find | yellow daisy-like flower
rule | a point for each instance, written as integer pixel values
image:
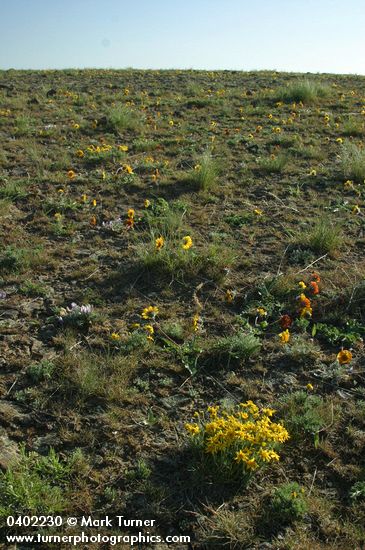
(80, 153)
(348, 184)
(147, 203)
(229, 296)
(302, 284)
(258, 211)
(193, 429)
(187, 242)
(171, 122)
(130, 213)
(344, 357)
(71, 174)
(313, 172)
(94, 202)
(159, 242)
(149, 312)
(76, 126)
(115, 336)
(261, 311)
(309, 387)
(58, 216)
(339, 140)
(123, 148)
(356, 209)
(127, 168)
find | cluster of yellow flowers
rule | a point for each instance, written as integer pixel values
(187, 242)
(246, 437)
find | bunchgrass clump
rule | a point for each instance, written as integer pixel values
(324, 237)
(273, 165)
(205, 173)
(237, 442)
(353, 162)
(353, 127)
(306, 91)
(124, 118)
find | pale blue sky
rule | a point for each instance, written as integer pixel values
(289, 35)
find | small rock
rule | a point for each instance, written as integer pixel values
(43, 443)
(10, 414)
(9, 451)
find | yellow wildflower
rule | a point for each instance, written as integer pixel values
(159, 242)
(149, 312)
(71, 174)
(187, 242)
(196, 322)
(127, 168)
(344, 357)
(284, 336)
(147, 203)
(115, 336)
(193, 429)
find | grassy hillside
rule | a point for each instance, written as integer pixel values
(174, 241)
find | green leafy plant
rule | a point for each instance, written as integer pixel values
(288, 503)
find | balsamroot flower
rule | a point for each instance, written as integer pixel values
(159, 243)
(187, 242)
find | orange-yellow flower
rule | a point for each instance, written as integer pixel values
(284, 336)
(71, 174)
(314, 287)
(127, 168)
(129, 222)
(159, 242)
(344, 357)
